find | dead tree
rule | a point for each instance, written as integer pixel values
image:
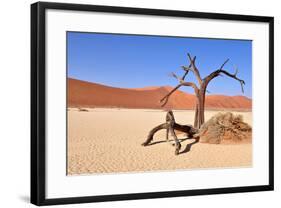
(170, 125)
(200, 88)
(200, 91)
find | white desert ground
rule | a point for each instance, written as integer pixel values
(108, 140)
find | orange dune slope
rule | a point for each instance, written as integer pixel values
(86, 94)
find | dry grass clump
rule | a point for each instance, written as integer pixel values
(225, 128)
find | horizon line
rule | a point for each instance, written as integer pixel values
(68, 77)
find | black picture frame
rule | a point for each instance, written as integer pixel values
(38, 98)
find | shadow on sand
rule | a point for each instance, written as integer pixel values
(187, 147)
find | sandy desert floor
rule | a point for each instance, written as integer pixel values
(109, 141)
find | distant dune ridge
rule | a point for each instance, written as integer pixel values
(86, 94)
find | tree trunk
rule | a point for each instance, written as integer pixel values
(196, 114)
(200, 109)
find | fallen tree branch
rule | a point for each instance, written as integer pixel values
(170, 125)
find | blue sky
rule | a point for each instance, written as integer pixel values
(134, 61)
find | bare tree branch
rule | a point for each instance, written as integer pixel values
(186, 69)
(221, 71)
(182, 83)
(194, 68)
(191, 84)
(224, 63)
(181, 80)
(242, 82)
(166, 97)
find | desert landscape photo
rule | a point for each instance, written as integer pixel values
(154, 103)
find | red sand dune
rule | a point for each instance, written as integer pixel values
(86, 94)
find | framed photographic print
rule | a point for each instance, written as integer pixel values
(134, 103)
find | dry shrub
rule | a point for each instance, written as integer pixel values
(83, 110)
(225, 128)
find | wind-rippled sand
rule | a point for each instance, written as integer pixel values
(109, 141)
